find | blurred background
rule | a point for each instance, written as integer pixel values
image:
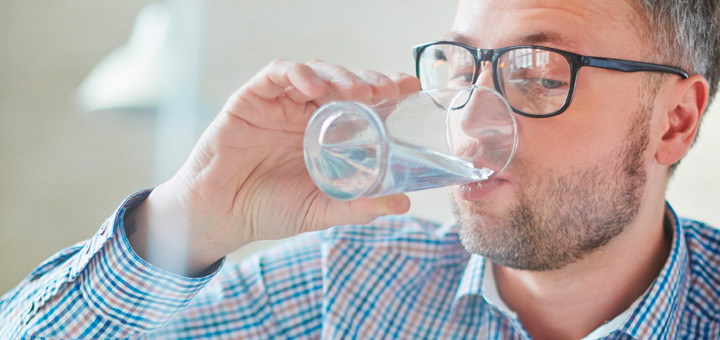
(100, 99)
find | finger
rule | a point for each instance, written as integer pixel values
(296, 95)
(383, 88)
(388, 205)
(344, 84)
(364, 210)
(406, 83)
(281, 77)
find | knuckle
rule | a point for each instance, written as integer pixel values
(365, 72)
(363, 89)
(297, 67)
(277, 62)
(397, 76)
(384, 80)
(371, 76)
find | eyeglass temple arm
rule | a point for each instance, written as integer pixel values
(630, 66)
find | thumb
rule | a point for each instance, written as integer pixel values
(364, 210)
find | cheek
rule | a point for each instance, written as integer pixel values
(575, 138)
(594, 126)
(559, 142)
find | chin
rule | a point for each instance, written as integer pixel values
(480, 212)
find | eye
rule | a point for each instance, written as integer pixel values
(551, 84)
(461, 76)
(543, 85)
(534, 87)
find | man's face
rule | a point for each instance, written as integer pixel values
(578, 178)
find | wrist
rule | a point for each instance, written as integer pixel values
(161, 234)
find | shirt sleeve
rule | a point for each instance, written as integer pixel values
(275, 294)
(100, 288)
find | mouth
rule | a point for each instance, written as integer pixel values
(480, 190)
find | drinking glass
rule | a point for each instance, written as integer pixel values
(426, 140)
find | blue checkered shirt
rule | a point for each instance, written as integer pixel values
(398, 278)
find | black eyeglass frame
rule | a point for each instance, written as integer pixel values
(575, 60)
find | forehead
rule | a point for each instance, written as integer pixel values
(603, 28)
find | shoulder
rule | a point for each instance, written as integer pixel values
(703, 244)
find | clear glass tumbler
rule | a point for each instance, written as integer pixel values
(426, 140)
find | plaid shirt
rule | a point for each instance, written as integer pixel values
(398, 278)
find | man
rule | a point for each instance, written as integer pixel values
(574, 240)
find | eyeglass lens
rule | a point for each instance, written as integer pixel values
(534, 81)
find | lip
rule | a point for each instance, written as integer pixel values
(480, 190)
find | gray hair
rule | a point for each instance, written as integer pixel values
(686, 34)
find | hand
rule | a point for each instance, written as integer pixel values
(246, 179)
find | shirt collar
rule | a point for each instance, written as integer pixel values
(655, 315)
(471, 281)
(658, 314)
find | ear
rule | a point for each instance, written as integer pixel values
(682, 118)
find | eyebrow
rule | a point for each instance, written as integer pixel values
(457, 37)
(531, 38)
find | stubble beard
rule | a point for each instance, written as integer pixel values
(558, 219)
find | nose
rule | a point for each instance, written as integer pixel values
(486, 134)
(485, 77)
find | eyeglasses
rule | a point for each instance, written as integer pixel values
(536, 81)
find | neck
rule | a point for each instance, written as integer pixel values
(571, 302)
